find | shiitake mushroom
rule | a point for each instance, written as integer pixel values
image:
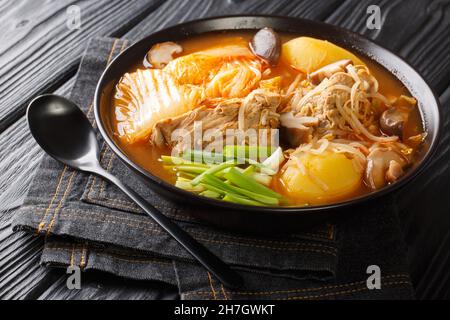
(392, 121)
(161, 54)
(266, 44)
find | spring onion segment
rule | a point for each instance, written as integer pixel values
(230, 176)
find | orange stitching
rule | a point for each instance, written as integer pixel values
(69, 184)
(331, 231)
(83, 257)
(111, 252)
(113, 256)
(104, 146)
(107, 169)
(274, 242)
(130, 206)
(61, 201)
(137, 226)
(340, 292)
(302, 290)
(234, 237)
(223, 291)
(42, 223)
(211, 285)
(72, 256)
(113, 47)
(102, 155)
(116, 220)
(246, 239)
(135, 261)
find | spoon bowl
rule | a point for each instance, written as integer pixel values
(63, 131)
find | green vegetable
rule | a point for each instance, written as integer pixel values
(211, 158)
(181, 161)
(230, 189)
(259, 177)
(212, 170)
(190, 169)
(211, 194)
(186, 185)
(237, 199)
(250, 184)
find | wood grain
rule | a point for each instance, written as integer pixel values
(187, 10)
(20, 273)
(422, 40)
(103, 286)
(416, 30)
(39, 52)
(426, 220)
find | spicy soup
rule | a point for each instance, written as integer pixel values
(308, 170)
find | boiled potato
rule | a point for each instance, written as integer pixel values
(309, 54)
(327, 178)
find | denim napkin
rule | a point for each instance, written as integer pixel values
(89, 223)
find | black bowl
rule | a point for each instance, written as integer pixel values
(271, 219)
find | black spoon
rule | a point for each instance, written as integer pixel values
(66, 134)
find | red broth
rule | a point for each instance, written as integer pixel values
(147, 156)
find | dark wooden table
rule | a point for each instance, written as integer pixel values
(40, 54)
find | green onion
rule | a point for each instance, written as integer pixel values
(250, 184)
(213, 188)
(181, 161)
(216, 182)
(210, 194)
(212, 158)
(240, 200)
(190, 169)
(213, 170)
(185, 185)
(182, 174)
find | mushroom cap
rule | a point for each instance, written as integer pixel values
(392, 121)
(379, 161)
(162, 53)
(266, 44)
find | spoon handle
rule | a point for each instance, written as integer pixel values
(212, 263)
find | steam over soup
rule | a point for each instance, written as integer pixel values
(266, 119)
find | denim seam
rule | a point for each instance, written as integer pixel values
(388, 284)
(255, 293)
(112, 252)
(42, 222)
(108, 255)
(61, 202)
(113, 46)
(211, 286)
(116, 220)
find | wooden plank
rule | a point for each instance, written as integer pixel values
(425, 218)
(38, 52)
(195, 9)
(20, 273)
(103, 286)
(416, 30)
